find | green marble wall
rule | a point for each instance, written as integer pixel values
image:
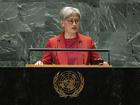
(113, 24)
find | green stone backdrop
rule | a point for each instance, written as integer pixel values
(113, 24)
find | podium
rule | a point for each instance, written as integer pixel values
(69, 66)
(94, 85)
(34, 85)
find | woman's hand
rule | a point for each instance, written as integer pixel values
(39, 63)
(104, 64)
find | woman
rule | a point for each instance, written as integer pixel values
(70, 38)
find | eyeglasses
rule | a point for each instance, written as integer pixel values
(71, 21)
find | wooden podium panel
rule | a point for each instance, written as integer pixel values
(69, 66)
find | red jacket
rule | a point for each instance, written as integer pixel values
(60, 57)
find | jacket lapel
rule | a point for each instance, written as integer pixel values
(62, 56)
(82, 56)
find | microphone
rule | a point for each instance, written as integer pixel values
(83, 56)
(55, 54)
(80, 42)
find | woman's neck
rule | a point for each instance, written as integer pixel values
(69, 36)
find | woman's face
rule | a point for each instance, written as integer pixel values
(71, 24)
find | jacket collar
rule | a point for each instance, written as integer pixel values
(61, 39)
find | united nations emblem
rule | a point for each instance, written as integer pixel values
(68, 83)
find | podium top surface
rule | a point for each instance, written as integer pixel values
(69, 66)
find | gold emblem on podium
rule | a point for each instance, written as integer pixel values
(68, 83)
